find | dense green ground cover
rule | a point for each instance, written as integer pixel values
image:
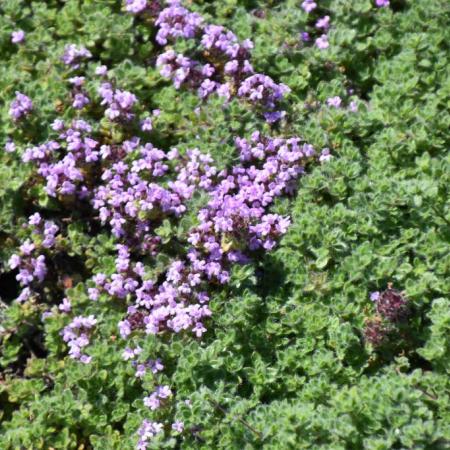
(284, 363)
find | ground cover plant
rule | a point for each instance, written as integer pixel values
(224, 224)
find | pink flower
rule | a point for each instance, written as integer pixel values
(17, 37)
(322, 42)
(309, 5)
(323, 23)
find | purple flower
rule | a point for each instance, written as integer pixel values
(35, 219)
(176, 21)
(101, 70)
(18, 36)
(374, 296)
(381, 3)
(65, 306)
(25, 294)
(309, 5)
(146, 124)
(152, 401)
(77, 81)
(304, 36)
(27, 247)
(178, 426)
(323, 23)
(73, 55)
(10, 147)
(353, 107)
(147, 431)
(335, 102)
(136, 6)
(325, 155)
(80, 101)
(14, 261)
(322, 42)
(20, 107)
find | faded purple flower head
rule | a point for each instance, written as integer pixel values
(392, 305)
(375, 332)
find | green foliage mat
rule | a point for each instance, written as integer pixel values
(284, 364)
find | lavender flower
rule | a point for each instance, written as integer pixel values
(322, 42)
(10, 147)
(176, 21)
(101, 70)
(76, 334)
(73, 55)
(382, 3)
(20, 107)
(146, 432)
(309, 5)
(323, 23)
(325, 155)
(136, 6)
(335, 102)
(18, 36)
(304, 36)
(65, 306)
(178, 426)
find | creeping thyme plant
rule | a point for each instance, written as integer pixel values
(224, 224)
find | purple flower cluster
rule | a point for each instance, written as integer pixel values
(147, 431)
(73, 56)
(382, 3)
(321, 25)
(226, 69)
(66, 175)
(119, 103)
(131, 197)
(134, 189)
(175, 21)
(77, 335)
(234, 223)
(30, 261)
(262, 90)
(154, 400)
(20, 107)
